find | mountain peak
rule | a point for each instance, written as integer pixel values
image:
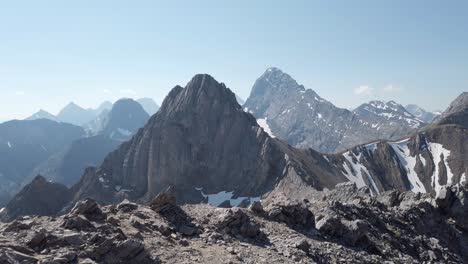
(202, 93)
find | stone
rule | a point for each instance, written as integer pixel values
(257, 208)
(78, 223)
(90, 209)
(164, 200)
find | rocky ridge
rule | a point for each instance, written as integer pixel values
(346, 225)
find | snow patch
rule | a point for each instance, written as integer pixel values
(262, 122)
(9, 144)
(1, 210)
(437, 150)
(463, 178)
(218, 198)
(408, 162)
(356, 171)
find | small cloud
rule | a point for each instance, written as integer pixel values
(127, 91)
(106, 91)
(20, 93)
(364, 90)
(391, 89)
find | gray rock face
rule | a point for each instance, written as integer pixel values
(420, 113)
(304, 119)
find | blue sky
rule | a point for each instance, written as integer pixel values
(53, 52)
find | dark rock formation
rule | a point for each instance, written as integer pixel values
(40, 197)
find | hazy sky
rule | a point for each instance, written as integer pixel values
(53, 52)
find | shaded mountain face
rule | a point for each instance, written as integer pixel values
(420, 113)
(150, 106)
(304, 119)
(42, 114)
(24, 144)
(39, 197)
(456, 113)
(76, 115)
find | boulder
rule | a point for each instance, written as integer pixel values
(90, 209)
(294, 214)
(351, 232)
(163, 200)
(235, 222)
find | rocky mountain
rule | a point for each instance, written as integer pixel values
(75, 114)
(150, 106)
(304, 119)
(189, 143)
(42, 114)
(346, 225)
(420, 113)
(24, 144)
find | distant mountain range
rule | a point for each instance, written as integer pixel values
(77, 115)
(204, 145)
(61, 151)
(304, 119)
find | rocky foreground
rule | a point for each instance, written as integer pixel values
(346, 226)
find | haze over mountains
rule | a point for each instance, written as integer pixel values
(286, 143)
